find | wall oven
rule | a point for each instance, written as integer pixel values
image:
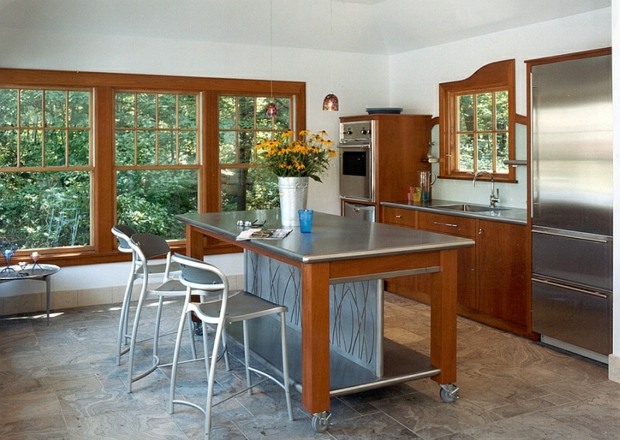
(357, 161)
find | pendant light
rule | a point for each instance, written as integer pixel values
(271, 110)
(330, 102)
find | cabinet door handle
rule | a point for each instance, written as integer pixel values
(450, 225)
(480, 231)
(399, 216)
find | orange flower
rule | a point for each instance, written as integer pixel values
(306, 156)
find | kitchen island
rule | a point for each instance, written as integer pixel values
(342, 250)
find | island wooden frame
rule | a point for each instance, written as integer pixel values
(315, 281)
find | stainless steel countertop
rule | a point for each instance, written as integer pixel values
(503, 214)
(332, 238)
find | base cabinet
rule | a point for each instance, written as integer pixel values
(492, 286)
(502, 272)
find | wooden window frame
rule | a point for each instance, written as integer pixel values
(493, 77)
(104, 85)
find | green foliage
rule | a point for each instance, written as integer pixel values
(483, 126)
(149, 200)
(243, 123)
(46, 209)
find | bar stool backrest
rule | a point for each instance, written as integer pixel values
(123, 234)
(203, 278)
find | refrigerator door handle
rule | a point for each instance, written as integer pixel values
(575, 289)
(568, 235)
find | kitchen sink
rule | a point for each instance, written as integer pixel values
(470, 208)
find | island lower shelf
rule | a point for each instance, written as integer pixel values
(400, 363)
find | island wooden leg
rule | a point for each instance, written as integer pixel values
(194, 242)
(443, 318)
(315, 337)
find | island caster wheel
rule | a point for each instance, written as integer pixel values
(320, 421)
(448, 393)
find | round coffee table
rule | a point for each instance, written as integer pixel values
(36, 272)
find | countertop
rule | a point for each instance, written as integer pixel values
(332, 238)
(501, 214)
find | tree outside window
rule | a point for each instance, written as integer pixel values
(156, 160)
(482, 135)
(45, 164)
(243, 123)
(82, 151)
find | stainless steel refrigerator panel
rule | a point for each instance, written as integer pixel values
(578, 258)
(571, 145)
(568, 315)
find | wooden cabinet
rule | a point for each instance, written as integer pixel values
(462, 227)
(502, 264)
(400, 144)
(492, 286)
(399, 216)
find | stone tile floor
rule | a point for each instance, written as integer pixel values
(61, 382)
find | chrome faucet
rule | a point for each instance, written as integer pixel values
(494, 197)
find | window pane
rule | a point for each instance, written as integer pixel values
(247, 141)
(501, 110)
(187, 111)
(227, 112)
(167, 152)
(228, 142)
(465, 107)
(146, 147)
(55, 144)
(79, 147)
(484, 111)
(147, 114)
(124, 113)
(55, 108)
(247, 189)
(79, 109)
(31, 110)
(167, 111)
(8, 148)
(502, 153)
(485, 152)
(187, 147)
(8, 107)
(44, 209)
(246, 112)
(124, 154)
(466, 152)
(31, 148)
(157, 139)
(149, 200)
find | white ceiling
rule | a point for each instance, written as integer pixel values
(366, 26)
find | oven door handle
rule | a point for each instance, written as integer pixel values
(354, 146)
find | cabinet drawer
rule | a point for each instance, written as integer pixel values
(397, 216)
(447, 224)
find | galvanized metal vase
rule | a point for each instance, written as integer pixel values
(293, 197)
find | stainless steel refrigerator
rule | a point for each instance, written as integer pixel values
(572, 204)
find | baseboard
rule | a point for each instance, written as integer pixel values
(614, 368)
(25, 303)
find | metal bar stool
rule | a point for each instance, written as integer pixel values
(145, 249)
(162, 272)
(217, 308)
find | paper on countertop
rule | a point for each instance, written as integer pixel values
(259, 233)
(246, 234)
